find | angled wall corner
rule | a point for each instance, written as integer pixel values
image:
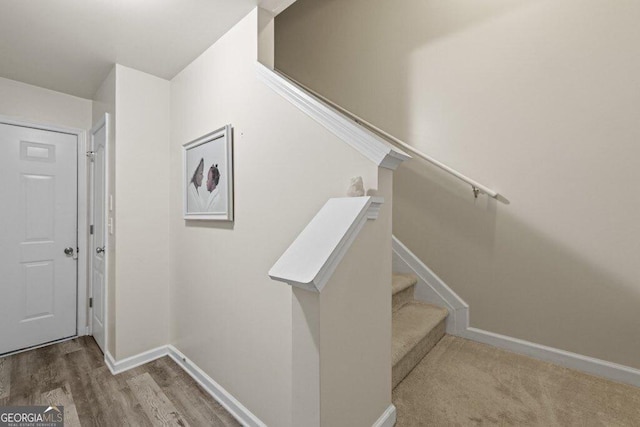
(227, 315)
(139, 244)
(266, 40)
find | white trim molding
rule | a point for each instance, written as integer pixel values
(103, 122)
(387, 419)
(82, 300)
(275, 6)
(374, 209)
(431, 288)
(315, 254)
(118, 366)
(590, 365)
(361, 139)
(230, 403)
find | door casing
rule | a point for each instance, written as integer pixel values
(103, 122)
(83, 230)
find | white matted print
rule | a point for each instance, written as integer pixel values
(208, 176)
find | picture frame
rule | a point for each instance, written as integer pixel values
(208, 176)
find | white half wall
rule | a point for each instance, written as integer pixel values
(355, 331)
(227, 315)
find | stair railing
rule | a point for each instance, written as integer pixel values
(338, 269)
(476, 187)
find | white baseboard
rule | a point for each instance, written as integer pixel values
(387, 419)
(590, 365)
(119, 366)
(230, 403)
(432, 289)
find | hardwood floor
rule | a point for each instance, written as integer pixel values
(73, 374)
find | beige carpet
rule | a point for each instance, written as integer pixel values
(461, 383)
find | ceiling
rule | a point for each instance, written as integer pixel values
(71, 45)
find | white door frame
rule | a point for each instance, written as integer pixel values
(82, 231)
(105, 122)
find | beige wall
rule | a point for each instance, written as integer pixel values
(141, 220)
(43, 106)
(104, 101)
(538, 99)
(227, 316)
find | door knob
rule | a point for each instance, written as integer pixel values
(100, 250)
(68, 251)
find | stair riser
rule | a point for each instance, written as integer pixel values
(405, 365)
(402, 297)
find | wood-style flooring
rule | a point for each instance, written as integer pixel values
(73, 374)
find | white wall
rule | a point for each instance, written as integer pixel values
(141, 220)
(227, 316)
(537, 99)
(355, 326)
(104, 101)
(43, 106)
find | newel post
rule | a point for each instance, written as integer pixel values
(339, 270)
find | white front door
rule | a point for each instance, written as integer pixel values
(38, 236)
(98, 220)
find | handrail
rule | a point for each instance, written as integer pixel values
(476, 187)
(368, 143)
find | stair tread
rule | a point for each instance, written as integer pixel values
(412, 323)
(400, 282)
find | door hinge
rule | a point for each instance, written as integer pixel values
(91, 155)
(90, 302)
(91, 229)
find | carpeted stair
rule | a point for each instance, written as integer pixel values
(417, 327)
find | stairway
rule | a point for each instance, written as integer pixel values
(416, 327)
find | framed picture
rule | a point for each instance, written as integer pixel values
(208, 176)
